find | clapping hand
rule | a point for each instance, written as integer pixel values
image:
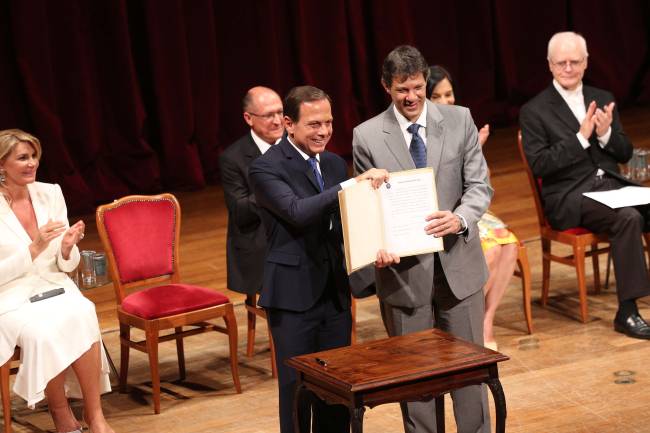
(588, 124)
(47, 232)
(71, 238)
(603, 119)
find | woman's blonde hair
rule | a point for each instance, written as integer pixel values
(9, 138)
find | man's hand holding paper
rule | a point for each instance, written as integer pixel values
(443, 222)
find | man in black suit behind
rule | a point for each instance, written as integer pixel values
(305, 288)
(246, 241)
(573, 140)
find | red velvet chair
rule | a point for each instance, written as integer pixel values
(578, 238)
(5, 371)
(140, 235)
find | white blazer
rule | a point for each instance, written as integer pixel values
(20, 277)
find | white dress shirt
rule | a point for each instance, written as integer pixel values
(262, 145)
(404, 123)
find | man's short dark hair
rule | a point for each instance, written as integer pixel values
(299, 95)
(404, 61)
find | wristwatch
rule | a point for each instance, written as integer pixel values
(463, 224)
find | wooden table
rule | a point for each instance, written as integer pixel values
(414, 367)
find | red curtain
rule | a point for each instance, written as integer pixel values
(140, 96)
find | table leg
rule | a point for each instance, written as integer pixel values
(499, 404)
(356, 419)
(440, 414)
(300, 389)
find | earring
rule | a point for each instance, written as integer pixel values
(2, 176)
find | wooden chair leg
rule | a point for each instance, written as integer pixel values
(231, 326)
(607, 271)
(274, 367)
(251, 319)
(6, 398)
(180, 352)
(151, 335)
(125, 337)
(646, 237)
(579, 258)
(524, 271)
(596, 265)
(353, 310)
(546, 270)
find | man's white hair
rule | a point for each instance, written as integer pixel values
(567, 37)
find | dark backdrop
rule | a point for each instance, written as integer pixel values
(140, 96)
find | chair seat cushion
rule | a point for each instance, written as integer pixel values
(577, 231)
(171, 299)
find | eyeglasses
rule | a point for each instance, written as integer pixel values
(563, 65)
(269, 116)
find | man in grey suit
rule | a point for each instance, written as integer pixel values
(442, 289)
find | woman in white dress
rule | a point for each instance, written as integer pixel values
(59, 336)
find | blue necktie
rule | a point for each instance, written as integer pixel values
(418, 149)
(314, 167)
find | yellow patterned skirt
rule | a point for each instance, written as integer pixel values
(493, 232)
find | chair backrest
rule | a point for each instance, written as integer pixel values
(140, 235)
(535, 184)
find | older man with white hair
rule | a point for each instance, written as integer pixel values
(574, 141)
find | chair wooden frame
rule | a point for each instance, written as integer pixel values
(5, 371)
(523, 272)
(252, 312)
(578, 242)
(152, 328)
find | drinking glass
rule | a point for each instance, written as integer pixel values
(99, 263)
(88, 278)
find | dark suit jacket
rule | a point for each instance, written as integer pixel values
(304, 256)
(246, 241)
(555, 155)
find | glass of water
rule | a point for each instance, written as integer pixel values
(88, 277)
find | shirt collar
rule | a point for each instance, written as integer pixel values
(262, 145)
(405, 123)
(303, 154)
(569, 94)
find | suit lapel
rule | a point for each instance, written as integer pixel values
(561, 110)
(394, 140)
(435, 136)
(251, 151)
(327, 170)
(298, 163)
(9, 219)
(40, 204)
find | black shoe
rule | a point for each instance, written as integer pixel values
(633, 326)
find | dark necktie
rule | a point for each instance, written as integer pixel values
(314, 167)
(417, 148)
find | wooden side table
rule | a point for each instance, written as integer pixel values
(414, 367)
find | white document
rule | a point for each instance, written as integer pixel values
(391, 217)
(623, 197)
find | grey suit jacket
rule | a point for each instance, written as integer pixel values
(462, 186)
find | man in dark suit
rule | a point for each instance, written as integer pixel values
(573, 140)
(246, 241)
(305, 289)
